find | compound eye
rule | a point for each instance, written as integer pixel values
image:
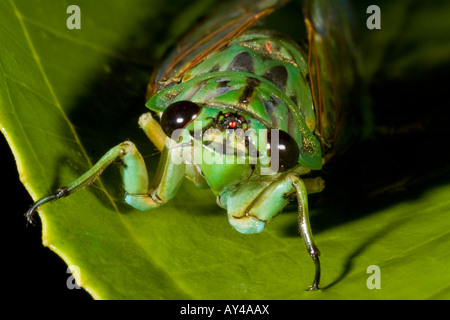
(178, 115)
(286, 149)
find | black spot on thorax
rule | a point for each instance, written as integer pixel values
(278, 75)
(251, 84)
(242, 62)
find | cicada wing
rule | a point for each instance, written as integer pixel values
(333, 70)
(218, 29)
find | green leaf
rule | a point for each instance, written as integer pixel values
(67, 96)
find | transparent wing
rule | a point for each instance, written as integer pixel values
(333, 70)
(222, 26)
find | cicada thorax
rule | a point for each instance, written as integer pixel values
(271, 56)
(259, 75)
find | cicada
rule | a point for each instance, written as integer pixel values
(247, 112)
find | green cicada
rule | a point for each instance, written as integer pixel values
(247, 112)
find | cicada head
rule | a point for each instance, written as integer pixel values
(228, 123)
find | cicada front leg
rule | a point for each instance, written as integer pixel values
(304, 226)
(153, 130)
(139, 194)
(253, 204)
(167, 181)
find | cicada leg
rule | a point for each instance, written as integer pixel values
(153, 130)
(168, 178)
(253, 204)
(305, 227)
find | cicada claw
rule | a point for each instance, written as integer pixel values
(61, 192)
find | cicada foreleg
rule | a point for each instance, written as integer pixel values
(168, 178)
(153, 130)
(139, 195)
(248, 212)
(305, 227)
